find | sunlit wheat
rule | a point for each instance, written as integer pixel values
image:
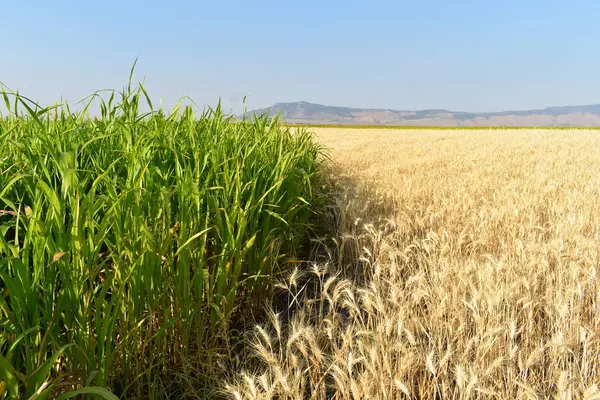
(472, 272)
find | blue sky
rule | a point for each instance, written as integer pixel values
(479, 55)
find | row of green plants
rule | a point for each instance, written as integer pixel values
(130, 240)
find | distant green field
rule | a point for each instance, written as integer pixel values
(427, 127)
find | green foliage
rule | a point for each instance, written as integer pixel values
(128, 241)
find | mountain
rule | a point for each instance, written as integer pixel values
(310, 113)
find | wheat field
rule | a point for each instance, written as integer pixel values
(464, 264)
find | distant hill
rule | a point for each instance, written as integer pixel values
(310, 113)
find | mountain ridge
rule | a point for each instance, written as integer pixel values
(306, 112)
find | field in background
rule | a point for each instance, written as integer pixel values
(465, 265)
(439, 128)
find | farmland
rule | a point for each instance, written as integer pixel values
(176, 255)
(130, 242)
(466, 266)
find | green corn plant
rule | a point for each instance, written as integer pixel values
(128, 241)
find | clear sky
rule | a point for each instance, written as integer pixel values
(479, 55)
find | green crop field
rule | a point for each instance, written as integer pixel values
(129, 241)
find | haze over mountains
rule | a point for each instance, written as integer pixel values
(310, 113)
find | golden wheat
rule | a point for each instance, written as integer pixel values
(466, 267)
